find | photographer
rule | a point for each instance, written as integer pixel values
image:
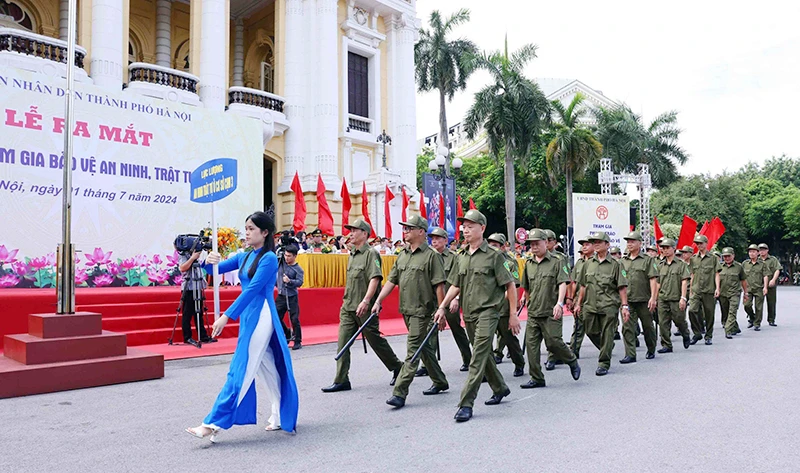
(193, 283)
(290, 277)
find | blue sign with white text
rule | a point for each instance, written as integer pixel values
(213, 180)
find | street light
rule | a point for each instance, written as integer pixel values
(386, 140)
(439, 169)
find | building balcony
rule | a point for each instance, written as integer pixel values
(163, 83)
(262, 106)
(39, 54)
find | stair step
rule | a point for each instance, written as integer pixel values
(65, 325)
(32, 350)
(148, 322)
(153, 337)
(145, 308)
(17, 379)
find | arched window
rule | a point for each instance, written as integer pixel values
(134, 49)
(15, 16)
(268, 72)
(181, 59)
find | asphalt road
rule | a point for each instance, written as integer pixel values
(729, 407)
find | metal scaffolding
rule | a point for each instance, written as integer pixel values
(607, 179)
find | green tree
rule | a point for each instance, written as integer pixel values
(513, 111)
(571, 149)
(443, 64)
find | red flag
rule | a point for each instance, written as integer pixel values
(404, 214)
(325, 217)
(346, 205)
(365, 209)
(714, 231)
(387, 213)
(459, 213)
(657, 230)
(472, 204)
(299, 222)
(441, 212)
(423, 209)
(688, 228)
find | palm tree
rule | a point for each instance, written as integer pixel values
(628, 142)
(572, 149)
(513, 110)
(442, 64)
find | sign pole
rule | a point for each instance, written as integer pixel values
(215, 248)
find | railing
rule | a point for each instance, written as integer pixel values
(152, 74)
(356, 123)
(256, 98)
(44, 47)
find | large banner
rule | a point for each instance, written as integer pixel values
(601, 213)
(132, 161)
(434, 189)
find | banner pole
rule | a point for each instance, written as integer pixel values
(215, 248)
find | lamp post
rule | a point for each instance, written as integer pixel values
(386, 140)
(439, 169)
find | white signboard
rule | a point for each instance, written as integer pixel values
(133, 157)
(601, 213)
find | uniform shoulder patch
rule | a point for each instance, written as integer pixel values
(378, 263)
(566, 270)
(624, 273)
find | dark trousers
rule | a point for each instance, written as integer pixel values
(294, 316)
(190, 315)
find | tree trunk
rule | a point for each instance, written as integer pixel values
(444, 135)
(510, 190)
(570, 223)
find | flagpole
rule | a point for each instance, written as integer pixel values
(65, 286)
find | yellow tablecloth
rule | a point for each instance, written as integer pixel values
(330, 270)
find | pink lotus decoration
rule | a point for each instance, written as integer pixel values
(178, 279)
(158, 277)
(157, 259)
(7, 257)
(9, 280)
(20, 268)
(141, 260)
(127, 264)
(103, 280)
(113, 268)
(173, 259)
(97, 257)
(51, 259)
(80, 276)
(38, 263)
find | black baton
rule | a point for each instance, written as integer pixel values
(355, 335)
(433, 330)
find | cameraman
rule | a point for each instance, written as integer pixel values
(193, 283)
(290, 277)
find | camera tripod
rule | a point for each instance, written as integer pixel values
(200, 309)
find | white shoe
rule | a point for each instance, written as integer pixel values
(272, 428)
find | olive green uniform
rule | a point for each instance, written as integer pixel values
(454, 318)
(670, 277)
(504, 336)
(602, 280)
(702, 303)
(541, 280)
(560, 322)
(755, 273)
(482, 278)
(773, 264)
(578, 330)
(640, 271)
(317, 246)
(730, 291)
(364, 264)
(418, 273)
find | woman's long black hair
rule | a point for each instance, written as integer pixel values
(264, 223)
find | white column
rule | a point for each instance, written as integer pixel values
(63, 14)
(295, 89)
(238, 53)
(107, 38)
(213, 63)
(402, 98)
(326, 96)
(164, 33)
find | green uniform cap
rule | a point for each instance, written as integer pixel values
(439, 232)
(651, 247)
(667, 242)
(615, 250)
(678, 252)
(416, 221)
(359, 224)
(316, 232)
(763, 246)
(473, 215)
(701, 239)
(727, 251)
(687, 249)
(551, 235)
(634, 236)
(752, 247)
(536, 234)
(599, 236)
(497, 238)
(583, 240)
